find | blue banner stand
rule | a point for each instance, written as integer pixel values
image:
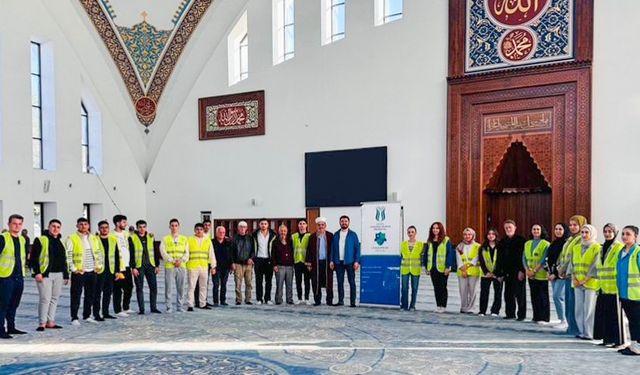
(380, 280)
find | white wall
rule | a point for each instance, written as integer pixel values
(616, 116)
(380, 86)
(20, 22)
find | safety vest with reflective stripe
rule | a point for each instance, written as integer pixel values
(581, 263)
(175, 249)
(8, 256)
(411, 259)
(199, 253)
(43, 259)
(488, 262)
(566, 254)
(633, 278)
(607, 271)
(138, 249)
(441, 255)
(110, 252)
(534, 257)
(78, 252)
(300, 247)
(466, 259)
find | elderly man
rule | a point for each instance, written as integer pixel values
(243, 254)
(317, 261)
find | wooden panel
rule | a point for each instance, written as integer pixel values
(525, 209)
(566, 91)
(312, 215)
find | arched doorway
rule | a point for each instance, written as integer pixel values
(517, 190)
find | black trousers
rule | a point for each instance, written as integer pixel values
(11, 289)
(632, 311)
(79, 283)
(341, 269)
(485, 288)
(319, 281)
(608, 320)
(123, 286)
(220, 286)
(439, 280)
(301, 272)
(264, 273)
(540, 300)
(515, 293)
(147, 272)
(101, 297)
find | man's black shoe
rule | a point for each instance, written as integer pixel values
(156, 311)
(5, 335)
(190, 309)
(16, 332)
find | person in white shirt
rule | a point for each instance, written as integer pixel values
(469, 271)
(123, 288)
(263, 237)
(174, 250)
(83, 261)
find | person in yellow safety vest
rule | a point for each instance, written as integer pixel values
(113, 270)
(467, 253)
(49, 266)
(174, 249)
(144, 264)
(300, 244)
(534, 259)
(628, 285)
(575, 224)
(583, 268)
(411, 253)
(201, 256)
(13, 262)
(487, 261)
(607, 325)
(439, 260)
(84, 261)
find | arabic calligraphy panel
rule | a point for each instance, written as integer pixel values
(236, 115)
(530, 121)
(504, 33)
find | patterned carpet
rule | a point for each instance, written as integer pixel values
(300, 339)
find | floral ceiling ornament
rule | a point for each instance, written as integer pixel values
(145, 55)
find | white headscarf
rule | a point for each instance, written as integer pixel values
(594, 234)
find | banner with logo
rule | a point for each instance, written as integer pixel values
(380, 253)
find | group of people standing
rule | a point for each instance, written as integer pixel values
(592, 283)
(111, 262)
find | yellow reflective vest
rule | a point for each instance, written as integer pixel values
(581, 263)
(199, 253)
(110, 253)
(411, 258)
(300, 246)
(138, 250)
(607, 281)
(466, 260)
(77, 253)
(441, 255)
(175, 249)
(535, 256)
(8, 256)
(489, 262)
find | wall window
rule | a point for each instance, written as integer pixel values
(38, 219)
(387, 11)
(284, 30)
(36, 105)
(238, 51)
(333, 20)
(84, 143)
(86, 211)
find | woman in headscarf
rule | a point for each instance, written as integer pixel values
(467, 253)
(607, 326)
(575, 223)
(560, 233)
(583, 265)
(628, 283)
(534, 258)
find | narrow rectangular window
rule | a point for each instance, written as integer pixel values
(38, 219)
(36, 105)
(243, 55)
(288, 29)
(337, 19)
(84, 143)
(392, 10)
(86, 211)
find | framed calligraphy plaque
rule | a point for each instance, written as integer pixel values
(236, 115)
(504, 33)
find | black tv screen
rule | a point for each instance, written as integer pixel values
(345, 177)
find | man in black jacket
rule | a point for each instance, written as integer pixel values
(223, 249)
(263, 237)
(509, 267)
(243, 254)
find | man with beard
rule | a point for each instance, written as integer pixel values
(317, 261)
(510, 268)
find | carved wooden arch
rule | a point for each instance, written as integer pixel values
(533, 182)
(565, 91)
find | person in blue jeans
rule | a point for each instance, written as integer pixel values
(560, 233)
(575, 223)
(411, 252)
(345, 257)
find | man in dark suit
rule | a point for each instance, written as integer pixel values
(317, 261)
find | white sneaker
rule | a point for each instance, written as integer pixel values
(542, 323)
(259, 302)
(481, 314)
(562, 326)
(494, 315)
(75, 322)
(269, 302)
(308, 303)
(299, 302)
(122, 314)
(91, 320)
(129, 311)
